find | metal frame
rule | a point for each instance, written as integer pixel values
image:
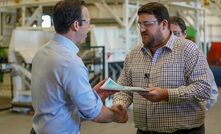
(197, 18)
(128, 17)
(125, 16)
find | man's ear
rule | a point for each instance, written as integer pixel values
(75, 26)
(164, 24)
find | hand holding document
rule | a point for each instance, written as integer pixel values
(111, 85)
(103, 93)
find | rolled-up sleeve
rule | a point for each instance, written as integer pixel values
(89, 110)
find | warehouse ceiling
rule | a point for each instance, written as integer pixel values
(19, 3)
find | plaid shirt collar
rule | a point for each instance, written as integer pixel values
(169, 45)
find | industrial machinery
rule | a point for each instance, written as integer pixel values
(113, 34)
(23, 46)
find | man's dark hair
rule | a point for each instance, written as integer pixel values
(156, 9)
(178, 21)
(65, 13)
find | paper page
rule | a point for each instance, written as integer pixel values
(112, 85)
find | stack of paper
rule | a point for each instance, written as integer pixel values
(111, 85)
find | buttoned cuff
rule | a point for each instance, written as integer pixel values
(122, 98)
(120, 103)
(173, 95)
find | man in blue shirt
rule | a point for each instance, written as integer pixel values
(61, 91)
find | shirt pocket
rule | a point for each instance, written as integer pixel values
(172, 75)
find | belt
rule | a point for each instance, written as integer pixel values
(149, 132)
(200, 130)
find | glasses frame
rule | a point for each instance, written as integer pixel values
(86, 21)
(83, 20)
(178, 33)
(146, 24)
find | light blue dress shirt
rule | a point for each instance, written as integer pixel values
(61, 92)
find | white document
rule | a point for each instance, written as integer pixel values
(111, 85)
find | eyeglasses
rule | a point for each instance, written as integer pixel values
(177, 33)
(146, 24)
(86, 21)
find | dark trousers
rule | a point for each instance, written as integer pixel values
(199, 130)
(32, 131)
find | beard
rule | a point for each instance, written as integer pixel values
(152, 40)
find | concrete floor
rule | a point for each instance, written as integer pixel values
(18, 123)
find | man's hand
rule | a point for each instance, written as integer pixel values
(156, 94)
(103, 93)
(120, 113)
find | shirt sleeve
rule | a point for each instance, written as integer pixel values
(76, 83)
(213, 95)
(197, 78)
(124, 98)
